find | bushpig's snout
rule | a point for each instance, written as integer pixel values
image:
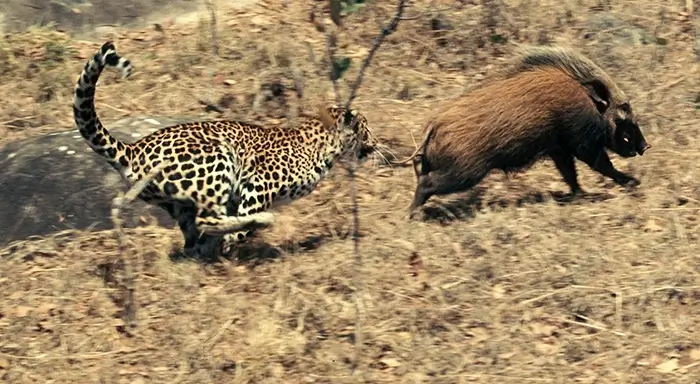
(643, 147)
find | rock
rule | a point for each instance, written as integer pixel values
(56, 182)
(612, 30)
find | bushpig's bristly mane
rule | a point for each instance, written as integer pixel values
(567, 59)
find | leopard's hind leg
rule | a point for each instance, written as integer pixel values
(251, 201)
(197, 244)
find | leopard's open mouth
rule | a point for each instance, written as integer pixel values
(364, 152)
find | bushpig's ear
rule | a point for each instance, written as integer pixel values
(599, 93)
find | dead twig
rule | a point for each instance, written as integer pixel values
(331, 48)
(210, 106)
(299, 91)
(592, 326)
(86, 356)
(212, 340)
(331, 44)
(386, 31)
(117, 204)
(16, 120)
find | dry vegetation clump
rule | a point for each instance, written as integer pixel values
(520, 289)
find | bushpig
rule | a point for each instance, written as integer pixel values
(554, 102)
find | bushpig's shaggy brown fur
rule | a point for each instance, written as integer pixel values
(553, 103)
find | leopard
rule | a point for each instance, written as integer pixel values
(219, 179)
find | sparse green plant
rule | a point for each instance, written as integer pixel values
(56, 53)
(351, 6)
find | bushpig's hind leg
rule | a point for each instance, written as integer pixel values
(424, 190)
(424, 183)
(600, 162)
(440, 184)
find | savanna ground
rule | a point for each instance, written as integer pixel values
(520, 288)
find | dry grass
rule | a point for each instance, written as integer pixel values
(521, 289)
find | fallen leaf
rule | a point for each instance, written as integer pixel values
(390, 362)
(498, 291)
(506, 356)
(478, 335)
(546, 349)
(542, 329)
(668, 366)
(652, 226)
(360, 53)
(260, 20)
(695, 354)
(46, 308)
(22, 311)
(277, 370)
(44, 326)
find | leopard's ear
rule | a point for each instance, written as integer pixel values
(326, 119)
(350, 118)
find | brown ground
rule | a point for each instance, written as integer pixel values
(520, 289)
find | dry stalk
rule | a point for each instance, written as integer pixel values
(331, 47)
(331, 41)
(210, 105)
(299, 90)
(117, 204)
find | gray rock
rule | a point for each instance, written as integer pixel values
(56, 182)
(612, 30)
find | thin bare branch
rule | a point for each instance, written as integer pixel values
(331, 47)
(386, 31)
(117, 204)
(210, 105)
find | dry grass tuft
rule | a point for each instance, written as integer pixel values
(520, 289)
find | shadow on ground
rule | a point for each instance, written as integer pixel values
(446, 211)
(255, 251)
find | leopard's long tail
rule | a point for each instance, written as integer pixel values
(98, 138)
